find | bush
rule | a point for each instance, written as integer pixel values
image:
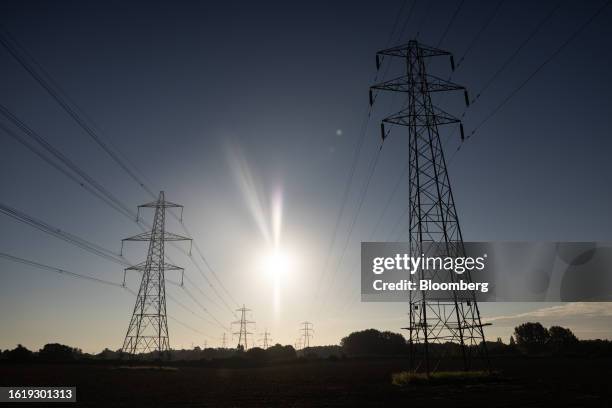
(280, 353)
(19, 354)
(405, 378)
(374, 342)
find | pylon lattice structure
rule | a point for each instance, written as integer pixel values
(265, 339)
(148, 328)
(433, 218)
(307, 334)
(224, 341)
(243, 333)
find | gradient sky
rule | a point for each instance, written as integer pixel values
(235, 106)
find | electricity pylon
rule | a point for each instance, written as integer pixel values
(433, 218)
(308, 330)
(224, 341)
(148, 328)
(266, 339)
(243, 332)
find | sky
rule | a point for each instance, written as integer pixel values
(250, 115)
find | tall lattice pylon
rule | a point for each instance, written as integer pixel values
(307, 333)
(265, 339)
(243, 333)
(434, 224)
(148, 329)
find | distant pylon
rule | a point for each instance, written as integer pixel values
(434, 224)
(224, 341)
(266, 339)
(307, 333)
(148, 328)
(243, 333)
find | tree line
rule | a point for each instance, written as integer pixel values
(528, 339)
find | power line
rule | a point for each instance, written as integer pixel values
(62, 170)
(397, 224)
(345, 196)
(204, 295)
(187, 326)
(62, 271)
(210, 285)
(210, 268)
(512, 56)
(54, 89)
(79, 242)
(357, 154)
(541, 66)
(65, 160)
(390, 200)
(196, 301)
(507, 62)
(482, 29)
(407, 20)
(65, 272)
(13, 47)
(425, 18)
(397, 18)
(450, 23)
(399, 38)
(63, 235)
(364, 192)
(98, 189)
(175, 300)
(401, 34)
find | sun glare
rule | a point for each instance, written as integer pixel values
(277, 264)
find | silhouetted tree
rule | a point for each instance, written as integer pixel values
(561, 339)
(279, 353)
(19, 354)
(372, 341)
(58, 352)
(108, 354)
(531, 337)
(256, 354)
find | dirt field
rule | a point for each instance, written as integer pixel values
(524, 383)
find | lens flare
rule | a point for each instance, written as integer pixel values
(267, 213)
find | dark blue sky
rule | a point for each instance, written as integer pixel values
(223, 105)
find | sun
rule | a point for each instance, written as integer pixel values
(277, 264)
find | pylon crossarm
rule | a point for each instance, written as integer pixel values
(404, 84)
(168, 236)
(141, 267)
(407, 118)
(162, 204)
(405, 49)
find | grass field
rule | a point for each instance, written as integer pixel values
(522, 382)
